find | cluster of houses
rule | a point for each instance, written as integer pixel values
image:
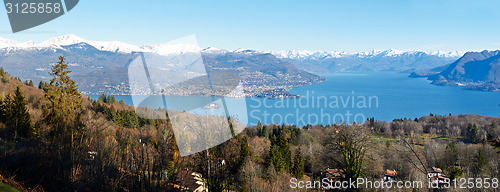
(436, 176)
(390, 175)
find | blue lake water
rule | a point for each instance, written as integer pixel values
(352, 97)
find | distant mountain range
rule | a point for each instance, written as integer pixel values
(474, 70)
(7, 45)
(375, 60)
(101, 67)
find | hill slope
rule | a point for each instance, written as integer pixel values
(475, 70)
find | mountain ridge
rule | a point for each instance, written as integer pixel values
(118, 46)
(474, 70)
(101, 70)
(306, 54)
(374, 60)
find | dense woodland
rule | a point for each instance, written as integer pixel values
(54, 139)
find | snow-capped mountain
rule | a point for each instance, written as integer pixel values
(248, 51)
(70, 39)
(374, 60)
(110, 46)
(63, 40)
(9, 43)
(311, 61)
(214, 51)
(66, 40)
(451, 54)
(171, 49)
(306, 54)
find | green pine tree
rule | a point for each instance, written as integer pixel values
(285, 152)
(472, 133)
(231, 127)
(21, 118)
(16, 116)
(456, 172)
(279, 154)
(42, 85)
(65, 106)
(5, 78)
(298, 164)
(259, 126)
(5, 108)
(492, 133)
(4, 103)
(481, 160)
(102, 98)
(244, 149)
(265, 131)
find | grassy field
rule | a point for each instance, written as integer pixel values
(7, 188)
(423, 138)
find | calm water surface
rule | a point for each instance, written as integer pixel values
(352, 97)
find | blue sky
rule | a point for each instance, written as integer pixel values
(350, 26)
